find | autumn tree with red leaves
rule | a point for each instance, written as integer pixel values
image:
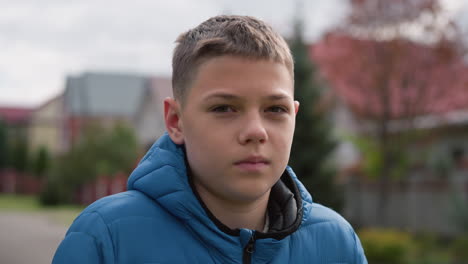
(395, 61)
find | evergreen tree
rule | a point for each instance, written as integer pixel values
(3, 146)
(42, 162)
(19, 155)
(313, 143)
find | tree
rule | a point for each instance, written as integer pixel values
(19, 155)
(100, 152)
(313, 144)
(3, 146)
(392, 62)
(42, 162)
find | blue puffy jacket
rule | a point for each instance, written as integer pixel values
(160, 219)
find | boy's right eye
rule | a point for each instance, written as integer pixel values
(222, 109)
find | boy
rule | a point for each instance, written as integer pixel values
(216, 188)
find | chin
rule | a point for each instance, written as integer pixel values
(250, 193)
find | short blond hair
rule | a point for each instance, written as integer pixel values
(242, 36)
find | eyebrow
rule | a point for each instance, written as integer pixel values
(229, 96)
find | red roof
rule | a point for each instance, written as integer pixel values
(15, 115)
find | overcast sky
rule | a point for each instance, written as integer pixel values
(41, 42)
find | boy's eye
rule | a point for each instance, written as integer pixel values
(222, 109)
(277, 109)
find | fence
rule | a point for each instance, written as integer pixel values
(416, 204)
(12, 181)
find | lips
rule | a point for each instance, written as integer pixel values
(254, 159)
(252, 163)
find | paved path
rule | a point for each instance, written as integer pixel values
(28, 238)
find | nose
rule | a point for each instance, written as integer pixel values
(253, 130)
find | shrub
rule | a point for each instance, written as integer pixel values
(460, 249)
(431, 248)
(383, 246)
(100, 151)
(51, 194)
(42, 162)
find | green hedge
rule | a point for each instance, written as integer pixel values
(386, 246)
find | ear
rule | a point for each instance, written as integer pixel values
(296, 107)
(172, 120)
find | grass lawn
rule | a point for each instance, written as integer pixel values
(63, 214)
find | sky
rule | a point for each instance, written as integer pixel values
(42, 42)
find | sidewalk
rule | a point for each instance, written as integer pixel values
(29, 237)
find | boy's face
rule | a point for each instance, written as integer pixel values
(237, 124)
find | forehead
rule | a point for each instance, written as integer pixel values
(241, 76)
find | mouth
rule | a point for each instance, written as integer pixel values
(252, 164)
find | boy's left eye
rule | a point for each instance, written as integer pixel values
(222, 109)
(277, 109)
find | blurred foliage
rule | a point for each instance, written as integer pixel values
(459, 211)
(441, 164)
(430, 249)
(460, 249)
(313, 143)
(100, 152)
(372, 159)
(3, 145)
(41, 162)
(19, 155)
(55, 192)
(386, 246)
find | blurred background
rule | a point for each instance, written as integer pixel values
(382, 135)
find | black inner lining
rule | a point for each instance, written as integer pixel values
(284, 208)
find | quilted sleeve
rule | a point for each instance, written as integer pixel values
(87, 241)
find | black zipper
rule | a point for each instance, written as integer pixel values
(248, 250)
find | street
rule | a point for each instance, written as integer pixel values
(28, 237)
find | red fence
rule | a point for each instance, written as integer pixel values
(12, 181)
(103, 186)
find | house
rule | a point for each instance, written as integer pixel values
(110, 98)
(16, 120)
(46, 126)
(149, 121)
(102, 98)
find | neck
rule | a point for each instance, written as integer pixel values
(235, 214)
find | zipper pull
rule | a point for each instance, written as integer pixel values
(249, 250)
